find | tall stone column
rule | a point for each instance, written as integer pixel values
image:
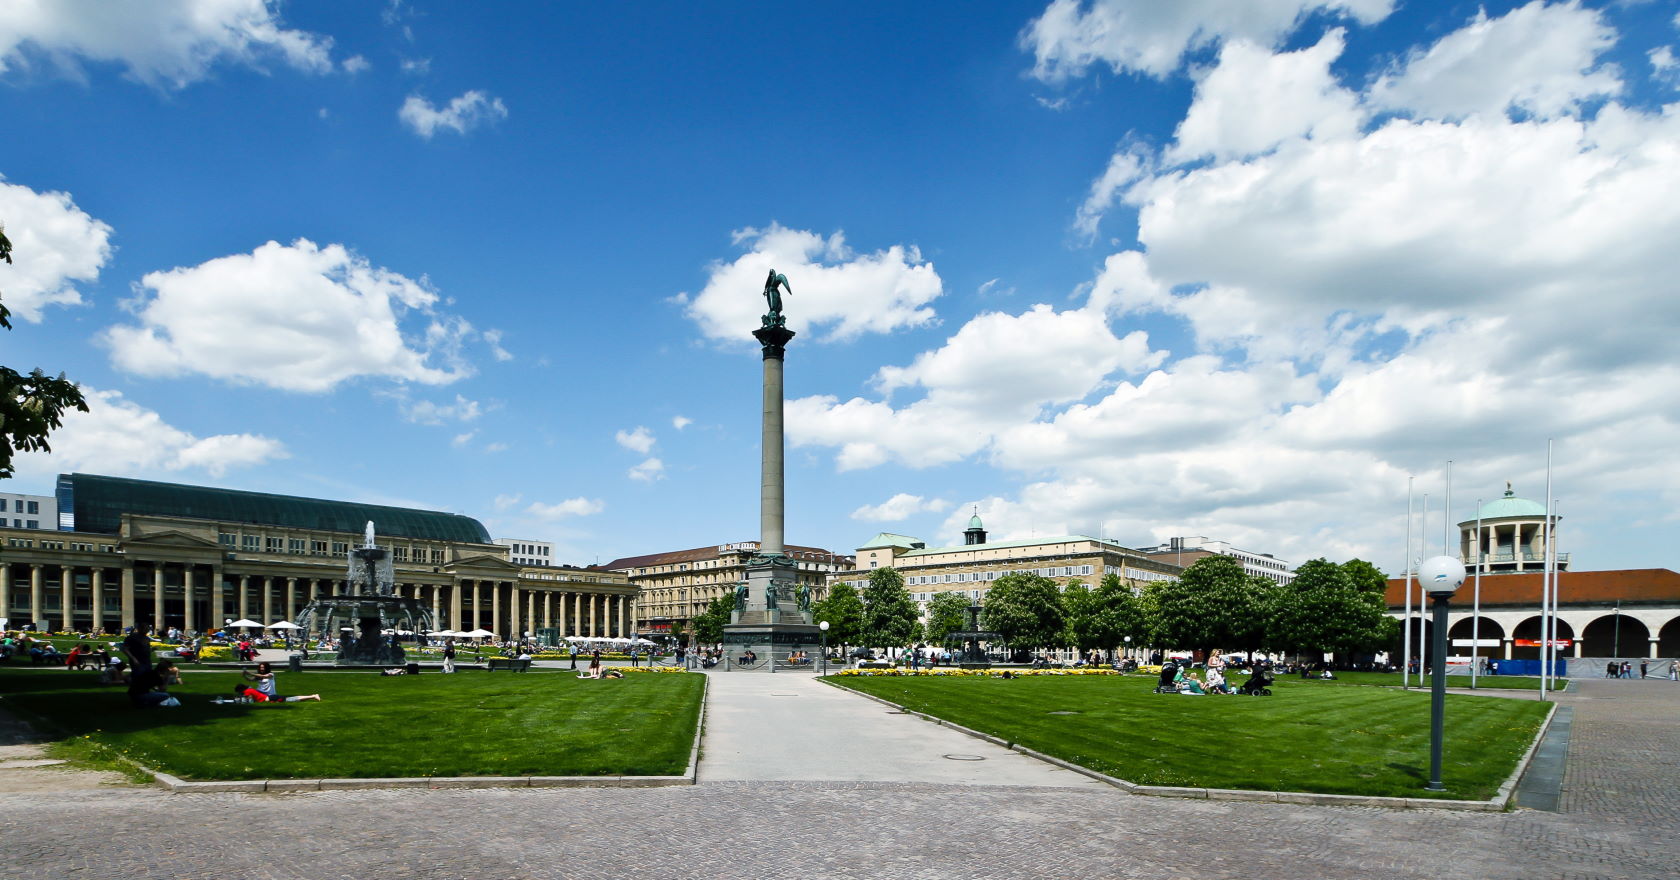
(37, 601)
(96, 586)
(496, 609)
(770, 490)
(268, 600)
(291, 598)
(244, 597)
(437, 606)
(593, 597)
(577, 615)
(218, 600)
(157, 597)
(66, 601)
(6, 591)
(127, 595)
(473, 592)
(455, 591)
(548, 610)
(189, 615)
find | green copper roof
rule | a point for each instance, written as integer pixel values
(99, 503)
(888, 539)
(1511, 506)
(974, 522)
(995, 545)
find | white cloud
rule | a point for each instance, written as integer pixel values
(495, 447)
(648, 471)
(416, 66)
(119, 437)
(460, 441)
(428, 412)
(568, 508)
(1540, 59)
(166, 43)
(1149, 37)
(297, 317)
(54, 245)
(639, 440)
(493, 338)
(1252, 100)
(681, 422)
(1124, 167)
(899, 507)
(505, 502)
(468, 111)
(834, 288)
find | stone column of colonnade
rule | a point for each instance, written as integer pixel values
(66, 607)
(189, 615)
(157, 596)
(36, 600)
(96, 588)
(218, 599)
(126, 596)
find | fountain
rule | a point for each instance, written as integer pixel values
(972, 656)
(368, 619)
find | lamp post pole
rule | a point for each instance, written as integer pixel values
(1441, 577)
(822, 635)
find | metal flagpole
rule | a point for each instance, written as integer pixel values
(1545, 573)
(1423, 528)
(1406, 630)
(1446, 516)
(1476, 607)
(1552, 546)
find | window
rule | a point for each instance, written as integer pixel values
(32, 524)
(227, 539)
(249, 543)
(297, 545)
(35, 508)
(400, 554)
(275, 545)
(340, 548)
(319, 548)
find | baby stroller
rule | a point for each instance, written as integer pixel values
(1169, 671)
(1258, 685)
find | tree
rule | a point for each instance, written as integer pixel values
(1213, 604)
(708, 624)
(890, 616)
(844, 612)
(1326, 609)
(1083, 612)
(1365, 576)
(32, 405)
(946, 614)
(1026, 611)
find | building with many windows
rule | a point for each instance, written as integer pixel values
(525, 552)
(1185, 551)
(28, 511)
(675, 586)
(969, 568)
(135, 552)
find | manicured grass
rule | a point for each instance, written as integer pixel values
(367, 725)
(1306, 737)
(1392, 679)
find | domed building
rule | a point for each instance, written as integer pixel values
(1511, 538)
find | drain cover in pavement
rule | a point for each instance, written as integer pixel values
(964, 758)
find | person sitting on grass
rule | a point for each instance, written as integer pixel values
(594, 666)
(146, 687)
(241, 689)
(1191, 686)
(1216, 682)
(264, 677)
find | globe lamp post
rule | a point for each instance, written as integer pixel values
(1441, 577)
(822, 635)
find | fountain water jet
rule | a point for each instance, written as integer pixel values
(369, 616)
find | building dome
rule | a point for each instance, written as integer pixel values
(974, 522)
(1510, 506)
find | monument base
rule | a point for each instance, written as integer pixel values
(774, 622)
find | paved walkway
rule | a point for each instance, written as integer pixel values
(1620, 807)
(789, 726)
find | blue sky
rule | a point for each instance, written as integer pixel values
(1117, 268)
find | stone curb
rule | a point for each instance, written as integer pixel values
(1495, 804)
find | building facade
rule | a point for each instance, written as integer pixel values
(675, 586)
(28, 511)
(970, 568)
(1185, 551)
(168, 555)
(526, 552)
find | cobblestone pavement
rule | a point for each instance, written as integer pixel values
(1620, 809)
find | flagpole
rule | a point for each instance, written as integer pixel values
(1476, 609)
(1546, 622)
(1406, 631)
(1423, 527)
(1446, 516)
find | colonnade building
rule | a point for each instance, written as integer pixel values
(136, 552)
(1630, 613)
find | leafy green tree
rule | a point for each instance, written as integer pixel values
(1026, 610)
(844, 612)
(890, 616)
(32, 405)
(1330, 607)
(1365, 576)
(946, 614)
(1213, 604)
(708, 624)
(1083, 613)
(1120, 612)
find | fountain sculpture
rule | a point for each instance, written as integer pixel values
(368, 619)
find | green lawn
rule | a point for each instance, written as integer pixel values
(1307, 737)
(467, 724)
(1392, 679)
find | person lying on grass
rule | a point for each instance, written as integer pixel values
(244, 690)
(264, 677)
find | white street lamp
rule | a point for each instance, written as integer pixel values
(1441, 576)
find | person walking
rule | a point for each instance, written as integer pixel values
(1643, 667)
(449, 656)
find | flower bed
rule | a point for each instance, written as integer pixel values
(901, 672)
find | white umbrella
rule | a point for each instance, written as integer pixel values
(576, 639)
(642, 642)
(619, 641)
(284, 624)
(244, 622)
(478, 634)
(445, 633)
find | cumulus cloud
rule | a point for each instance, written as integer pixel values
(1252, 100)
(427, 412)
(462, 114)
(493, 338)
(639, 440)
(1151, 38)
(120, 437)
(297, 317)
(899, 507)
(835, 289)
(1540, 59)
(570, 507)
(648, 471)
(357, 64)
(167, 43)
(54, 245)
(681, 422)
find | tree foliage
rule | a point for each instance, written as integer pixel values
(946, 614)
(1365, 576)
(890, 616)
(1026, 611)
(32, 404)
(1330, 607)
(708, 624)
(1213, 604)
(844, 612)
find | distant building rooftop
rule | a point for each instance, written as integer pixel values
(97, 503)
